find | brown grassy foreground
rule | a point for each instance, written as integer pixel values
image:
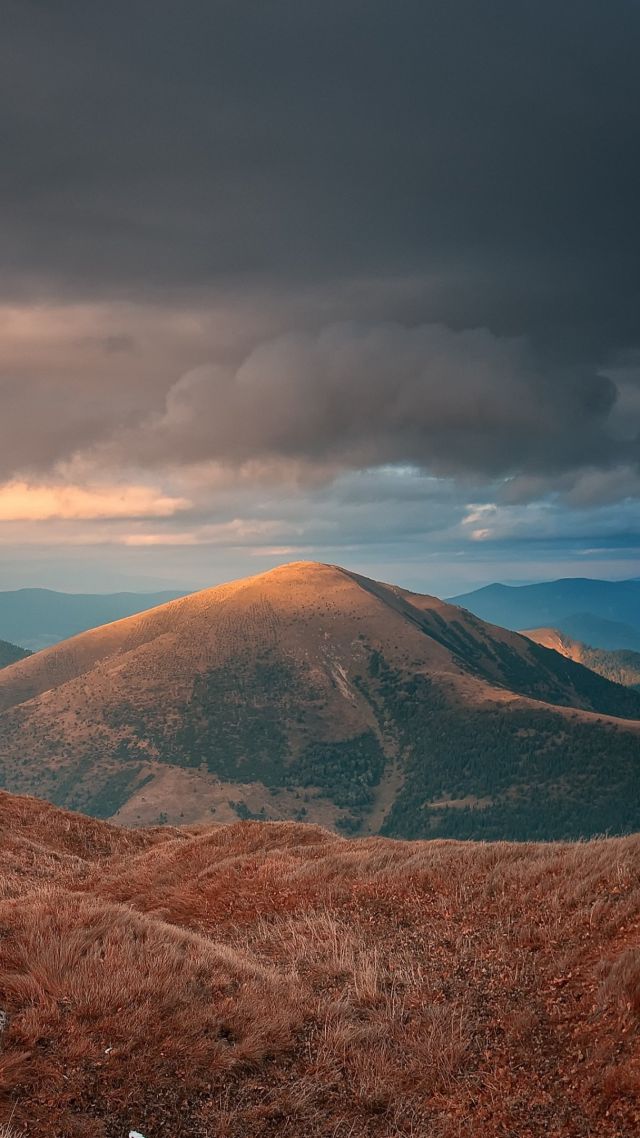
(263, 979)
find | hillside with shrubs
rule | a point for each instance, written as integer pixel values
(312, 693)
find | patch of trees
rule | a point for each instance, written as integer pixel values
(114, 792)
(347, 771)
(546, 776)
(597, 692)
(236, 722)
(621, 666)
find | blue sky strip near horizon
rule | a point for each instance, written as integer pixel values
(346, 282)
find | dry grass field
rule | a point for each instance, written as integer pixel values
(263, 979)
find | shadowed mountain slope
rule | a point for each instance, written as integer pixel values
(621, 666)
(10, 653)
(251, 980)
(313, 692)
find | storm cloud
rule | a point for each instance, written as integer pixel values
(296, 243)
(153, 145)
(361, 396)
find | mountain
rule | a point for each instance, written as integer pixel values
(38, 618)
(622, 667)
(605, 614)
(264, 979)
(611, 635)
(312, 692)
(10, 653)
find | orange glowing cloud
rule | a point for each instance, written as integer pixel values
(238, 532)
(23, 501)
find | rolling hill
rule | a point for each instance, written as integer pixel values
(311, 692)
(255, 980)
(10, 653)
(622, 666)
(605, 614)
(38, 618)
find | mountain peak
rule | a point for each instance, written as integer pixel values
(311, 691)
(298, 571)
(304, 567)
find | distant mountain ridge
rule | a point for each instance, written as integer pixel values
(604, 614)
(313, 692)
(38, 618)
(611, 635)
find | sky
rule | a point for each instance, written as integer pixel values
(353, 281)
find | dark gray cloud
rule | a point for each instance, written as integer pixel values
(303, 242)
(354, 396)
(152, 145)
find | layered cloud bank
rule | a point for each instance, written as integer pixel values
(366, 395)
(356, 283)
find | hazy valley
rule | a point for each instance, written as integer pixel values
(36, 618)
(602, 614)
